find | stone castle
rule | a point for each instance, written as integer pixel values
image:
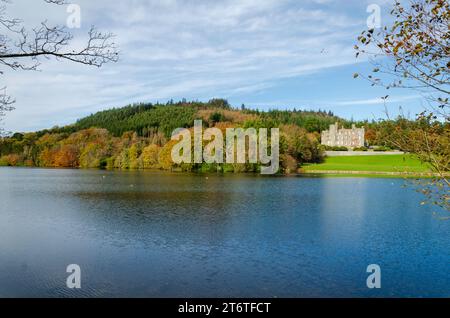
(350, 138)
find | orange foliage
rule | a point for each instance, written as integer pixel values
(11, 160)
(371, 136)
(46, 158)
(66, 156)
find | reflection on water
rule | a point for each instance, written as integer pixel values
(154, 234)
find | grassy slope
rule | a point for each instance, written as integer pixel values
(382, 163)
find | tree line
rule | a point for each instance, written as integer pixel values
(138, 137)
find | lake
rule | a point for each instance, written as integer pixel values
(155, 234)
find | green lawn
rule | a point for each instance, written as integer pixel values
(383, 163)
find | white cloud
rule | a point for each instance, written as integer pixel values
(174, 49)
(378, 101)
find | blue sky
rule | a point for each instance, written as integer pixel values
(263, 53)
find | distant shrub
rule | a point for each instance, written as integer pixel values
(382, 149)
(11, 160)
(360, 149)
(289, 164)
(3, 161)
(103, 163)
(208, 167)
(216, 117)
(227, 168)
(110, 163)
(334, 148)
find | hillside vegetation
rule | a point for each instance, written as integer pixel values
(138, 137)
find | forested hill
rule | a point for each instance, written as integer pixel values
(146, 119)
(139, 137)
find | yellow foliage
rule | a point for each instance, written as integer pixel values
(165, 156)
(150, 156)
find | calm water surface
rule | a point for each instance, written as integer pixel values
(151, 234)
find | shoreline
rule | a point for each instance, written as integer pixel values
(300, 173)
(379, 174)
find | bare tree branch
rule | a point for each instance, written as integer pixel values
(22, 49)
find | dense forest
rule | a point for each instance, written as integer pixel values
(145, 119)
(138, 137)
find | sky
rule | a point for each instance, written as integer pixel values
(266, 54)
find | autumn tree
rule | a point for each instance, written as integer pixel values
(300, 145)
(165, 156)
(95, 148)
(134, 154)
(23, 48)
(150, 156)
(370, 136)
(414, 53)
(66, 157)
